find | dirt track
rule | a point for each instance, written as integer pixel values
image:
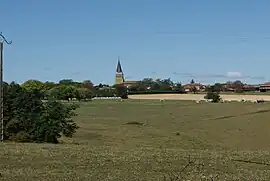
(199, 97)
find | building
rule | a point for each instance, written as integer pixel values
(130, 83)
(119, 77)
(265, 87)
(194, 87)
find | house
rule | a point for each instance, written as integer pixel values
(247, 87)
(197, 86)
(265, 87)
(130, 83)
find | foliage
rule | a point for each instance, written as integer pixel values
(55, 120)
(121, 91)
(213, 94)
(68, 89)
(84, 93)
(156, 85)
(31, 85)
(28, 118)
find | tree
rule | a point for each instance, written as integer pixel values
(178, 87)
(212, 94)
(66, 82)
(121, 91)
(87, 84)
(84, 93)
(25, 108)
(31, 85)
(238, 86)
(165, 84)
(48, 85)
(56, 120)
(27, 118)
(217, 87)
(63, 92)
(192, 81)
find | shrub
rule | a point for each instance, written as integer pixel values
(121, 91)
(213, 95)
(27, 118)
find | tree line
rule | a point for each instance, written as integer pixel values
(68, 89)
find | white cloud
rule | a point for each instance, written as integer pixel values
(234, 74)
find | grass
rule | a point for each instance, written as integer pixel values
(147, 140)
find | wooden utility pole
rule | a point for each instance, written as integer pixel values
(2, 40)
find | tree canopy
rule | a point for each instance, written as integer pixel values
(28, 119)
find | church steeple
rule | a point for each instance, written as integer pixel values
(119, 77)
(119, 68)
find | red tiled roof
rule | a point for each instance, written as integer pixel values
(266, 84)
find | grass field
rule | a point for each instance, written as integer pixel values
(171, 134)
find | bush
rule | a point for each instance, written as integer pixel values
(55, 121)
(213, 95)
(27, 118)
(121, 91)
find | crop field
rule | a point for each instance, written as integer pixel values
(151, 140)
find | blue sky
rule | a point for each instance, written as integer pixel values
(208, 40)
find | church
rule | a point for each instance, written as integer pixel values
(119, 76)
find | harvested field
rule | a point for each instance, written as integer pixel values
(199, 97)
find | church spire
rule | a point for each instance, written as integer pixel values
(119, 79)
(119, 68)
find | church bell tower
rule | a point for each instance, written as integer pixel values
(119, 77)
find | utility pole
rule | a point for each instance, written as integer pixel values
(2, 40)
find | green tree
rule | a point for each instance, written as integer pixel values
(84, 93)
(212, 94)
(63, 92)
(66, 82)
(56, 120)
(48, 85)
(31, 85)
(27, 118)
(121, 91)
(164, 84)
(217, 87)
(87, 84)
(178, 87)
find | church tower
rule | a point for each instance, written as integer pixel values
(119, 77)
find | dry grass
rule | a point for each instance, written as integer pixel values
(106, 147)
(231, 97)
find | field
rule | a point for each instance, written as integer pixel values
(150, 140)
(228, 97)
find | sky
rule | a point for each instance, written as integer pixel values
(210, 40)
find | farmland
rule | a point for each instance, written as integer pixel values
(150, 140)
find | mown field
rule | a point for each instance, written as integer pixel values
(150, 140)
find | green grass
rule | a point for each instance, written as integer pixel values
(107, 148)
